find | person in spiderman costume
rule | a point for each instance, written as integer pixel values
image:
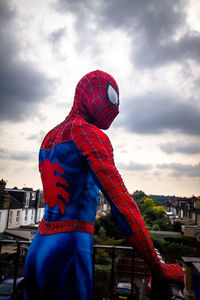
(75, 161)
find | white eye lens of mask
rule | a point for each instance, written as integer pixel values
(112, 95)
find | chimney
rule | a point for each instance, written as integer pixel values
(2, 185)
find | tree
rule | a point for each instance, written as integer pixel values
(160, 211)
(150, 214)
(109, 225)
(138, 197)
(149, 202)
(102, 233)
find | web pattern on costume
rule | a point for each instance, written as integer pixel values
(97, 149)
(91, 99)
(96, 146)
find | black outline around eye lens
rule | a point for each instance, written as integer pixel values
(115, 104)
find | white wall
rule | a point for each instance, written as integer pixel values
(40, 214)
(193, 216)
(181, 213)
(28, 216)
(3, 219)
(16, 219)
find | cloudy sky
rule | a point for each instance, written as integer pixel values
(152, 49)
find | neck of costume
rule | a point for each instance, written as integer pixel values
(75, 161)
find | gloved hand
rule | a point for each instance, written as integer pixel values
(173, 273)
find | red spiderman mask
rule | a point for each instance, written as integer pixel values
(97, 99)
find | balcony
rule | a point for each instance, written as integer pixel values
(111, 264)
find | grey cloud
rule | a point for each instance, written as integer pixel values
(37, 136)
(22, 84)
(6, 11)
(134, 166)
(55, 39)
(181, 147)
(151, 25)
(79, 8)
(16, 155)
(154, 19)
(155, 114)
(56, 36)
(21, 156)
(155, 54)
(156, 16)
(179, 170)
(87, 22)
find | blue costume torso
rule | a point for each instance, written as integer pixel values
(78, 185)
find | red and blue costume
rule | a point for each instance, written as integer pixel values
(75, 161)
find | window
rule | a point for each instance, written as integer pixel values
(32, 215)
(26, 215)
(27, 199)
(18, 216)
(33, 196)
(10, 217)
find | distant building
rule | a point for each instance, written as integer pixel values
(186, 211)
(19, 208)
(103, 206)
(192, 277)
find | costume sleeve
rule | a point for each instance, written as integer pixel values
(96, 147)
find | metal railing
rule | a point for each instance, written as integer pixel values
(16, 264)
(113, 250)
(169, 292)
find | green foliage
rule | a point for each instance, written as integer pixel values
(102, 257)
(102, 233)
(106, 227)
(138, 197)
(102, 272)
(179, 246)
(160, 211)
(114, 242)
(149, 202)
(150, 214)
(184, 240)
(176, 226)
(167, 247)
(155, 227)
(154, 215)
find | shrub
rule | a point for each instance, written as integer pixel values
(155, 227)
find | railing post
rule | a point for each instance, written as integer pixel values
(132, 271)
(113, 272)
(158, 290)
(93, 266)
(16, 270)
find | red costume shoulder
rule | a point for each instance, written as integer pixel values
(91, 141)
